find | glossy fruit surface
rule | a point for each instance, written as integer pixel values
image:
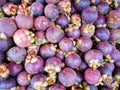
(67, 77)
(90, 74)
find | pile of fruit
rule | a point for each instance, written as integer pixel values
(59, 44)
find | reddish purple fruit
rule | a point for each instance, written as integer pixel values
(103, 8)
(94, 58)
(8, 83)
(41, 23)
(113, 19)
(63, 21)
(23, 78)
(14, 68)
(57, 86)
(67, 77)
(87, 30)
(38, 82)
(115, 55)
(24, 21)
(23, 38)
(105, 48)
(92, 76)
(40, 38)
(101, 21)
(47, 50)
(72, 31)
(73, 60)
(16, 54)
(51, 11)
(54, 34)
(7, 23)
(5, 44)
(84, 44)
(115, 35)
(66, 44)
(53, 65)
(37, 8)
(34, 65)
(88, 13)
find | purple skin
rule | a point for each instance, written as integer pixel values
(102, 34)
(8, 83)
(23, 78)
(37, 82)
(66, 44)
(94, 58)
(101, 21)
(115, 35)
(40, 38)
(54, 34)
(16, 54)
(83, 66)
(41, 23)
(73, 60)
(63, 21)
(107, 69)
(2, 2)
(103, 8)
(37, 8)
(57, 86)
(90, 73)
(52, 65)
(73, 33)
(115, 55)
(34, 65)
(5, 44)
(51, 11)
(7, 23)
(88, 13)
(24, 21)
(117, 63)
(87, 30)
(52, 1)
(113, 19)
(67, 77)
(47, 50)
(105, 47)
(84, 44)
(2, 56)
(60, 55)
(81, 4)
(14, 68)
(95, 2)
